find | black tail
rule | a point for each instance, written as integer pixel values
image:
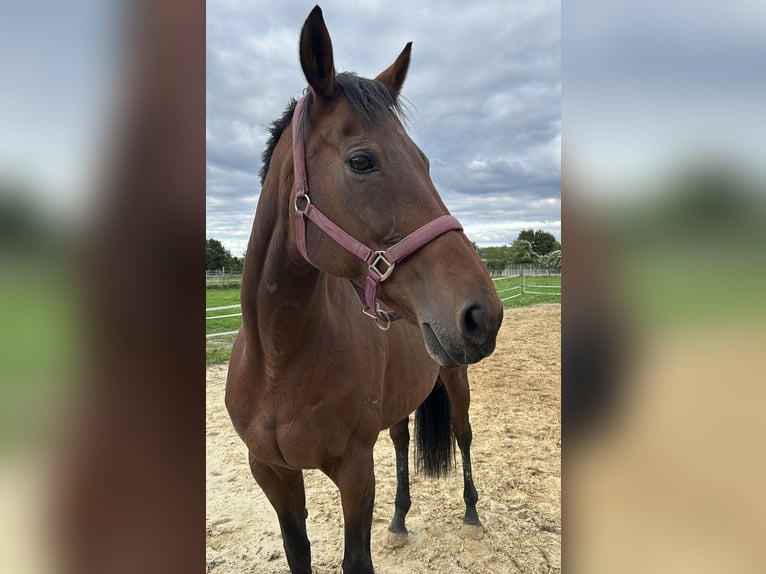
(434, 442)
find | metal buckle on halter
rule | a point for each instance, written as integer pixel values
(382, 318)
(308, 202)
(389, 265)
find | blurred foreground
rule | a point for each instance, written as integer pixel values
(101, 234)
(663, 388)
(664, 317)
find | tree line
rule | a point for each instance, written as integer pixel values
(538, 248)
(217, 257)
(530, 247)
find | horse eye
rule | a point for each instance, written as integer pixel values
(361, 164)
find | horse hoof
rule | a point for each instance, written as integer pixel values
(396, 539)
(472, 531)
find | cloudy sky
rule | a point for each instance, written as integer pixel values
(483, 89)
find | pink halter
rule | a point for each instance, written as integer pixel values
(380, 263)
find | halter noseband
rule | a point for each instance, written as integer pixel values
(380, 263)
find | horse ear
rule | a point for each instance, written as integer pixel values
(394, 75)
(316, 54)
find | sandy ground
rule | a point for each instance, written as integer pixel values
(515, 414)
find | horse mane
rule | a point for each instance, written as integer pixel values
(367, 97)
(275, 131)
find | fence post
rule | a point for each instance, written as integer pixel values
(522, 281)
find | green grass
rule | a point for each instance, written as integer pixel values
(511, 286)
(218, 297)
(218, 349)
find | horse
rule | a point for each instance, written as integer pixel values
(362, 301)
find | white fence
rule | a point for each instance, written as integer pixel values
(518, 270)
(223, 278)
(222, 308)
(523, 287)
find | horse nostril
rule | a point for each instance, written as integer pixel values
(473, 323)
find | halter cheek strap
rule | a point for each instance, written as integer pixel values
(380, 263)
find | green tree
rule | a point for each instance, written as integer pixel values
(495, 258)
(217, 256)
(550, 261)
(542, 242)
(236, 263)
(521, 252)
(527, 235)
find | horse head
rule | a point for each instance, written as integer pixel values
(371, 181)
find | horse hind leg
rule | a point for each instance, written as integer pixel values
(456, 383)
(284, 489)
(397, 531)
(472, 526)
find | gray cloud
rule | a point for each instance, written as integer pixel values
(483, 88)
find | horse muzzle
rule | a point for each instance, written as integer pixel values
(466, 339)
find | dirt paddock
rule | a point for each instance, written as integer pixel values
(515, 414)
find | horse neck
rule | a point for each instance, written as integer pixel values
(278, 286)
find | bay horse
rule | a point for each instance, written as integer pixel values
(350, 236)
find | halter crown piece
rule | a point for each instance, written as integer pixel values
(380, 263)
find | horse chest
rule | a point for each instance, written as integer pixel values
(301, 423)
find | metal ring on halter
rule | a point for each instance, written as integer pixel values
(308, 202)
(379, 316)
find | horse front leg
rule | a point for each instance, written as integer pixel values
(354, 475)
(284, 489)
(397, 531)
(456, 383)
